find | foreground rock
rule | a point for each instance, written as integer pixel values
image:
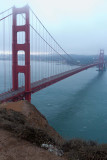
(23, 129)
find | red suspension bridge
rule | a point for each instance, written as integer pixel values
(30, 58)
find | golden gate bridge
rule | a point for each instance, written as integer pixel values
(26, 44)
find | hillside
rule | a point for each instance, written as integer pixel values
(26, 135)
(23, 129)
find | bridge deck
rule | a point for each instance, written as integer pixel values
(36, 86)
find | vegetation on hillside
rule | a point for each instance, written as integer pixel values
(21, 125)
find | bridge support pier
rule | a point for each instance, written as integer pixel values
(16, 69)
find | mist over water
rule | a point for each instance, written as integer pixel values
(77, 106)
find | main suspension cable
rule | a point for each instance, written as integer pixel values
(6, 10)
(47, 42)
(5, 17)
(51, 35)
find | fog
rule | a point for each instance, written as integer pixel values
(79, 26)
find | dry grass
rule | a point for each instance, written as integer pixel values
(16, 123)
(77, 149)
(33, 117)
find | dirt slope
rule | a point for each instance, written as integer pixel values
(13, 148)
(34, 117)
(22, 131)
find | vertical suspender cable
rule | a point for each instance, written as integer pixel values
(9, 50)
(39, 51)
(4, 55)
(45, 55)
(23, 39)
(35, 54)
(32, 49)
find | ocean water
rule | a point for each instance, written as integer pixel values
(77, 106)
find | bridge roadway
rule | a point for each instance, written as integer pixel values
(45, 82)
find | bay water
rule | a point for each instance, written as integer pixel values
(75, 107)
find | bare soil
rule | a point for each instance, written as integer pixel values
(22, 131)
(14, 148)
(33, 117)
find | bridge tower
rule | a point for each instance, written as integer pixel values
(101, 60)
(16, 69)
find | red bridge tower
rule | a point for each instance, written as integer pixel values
(16, 69)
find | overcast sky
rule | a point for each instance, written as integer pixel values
(79, 26)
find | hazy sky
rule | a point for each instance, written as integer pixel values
(79, 26)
